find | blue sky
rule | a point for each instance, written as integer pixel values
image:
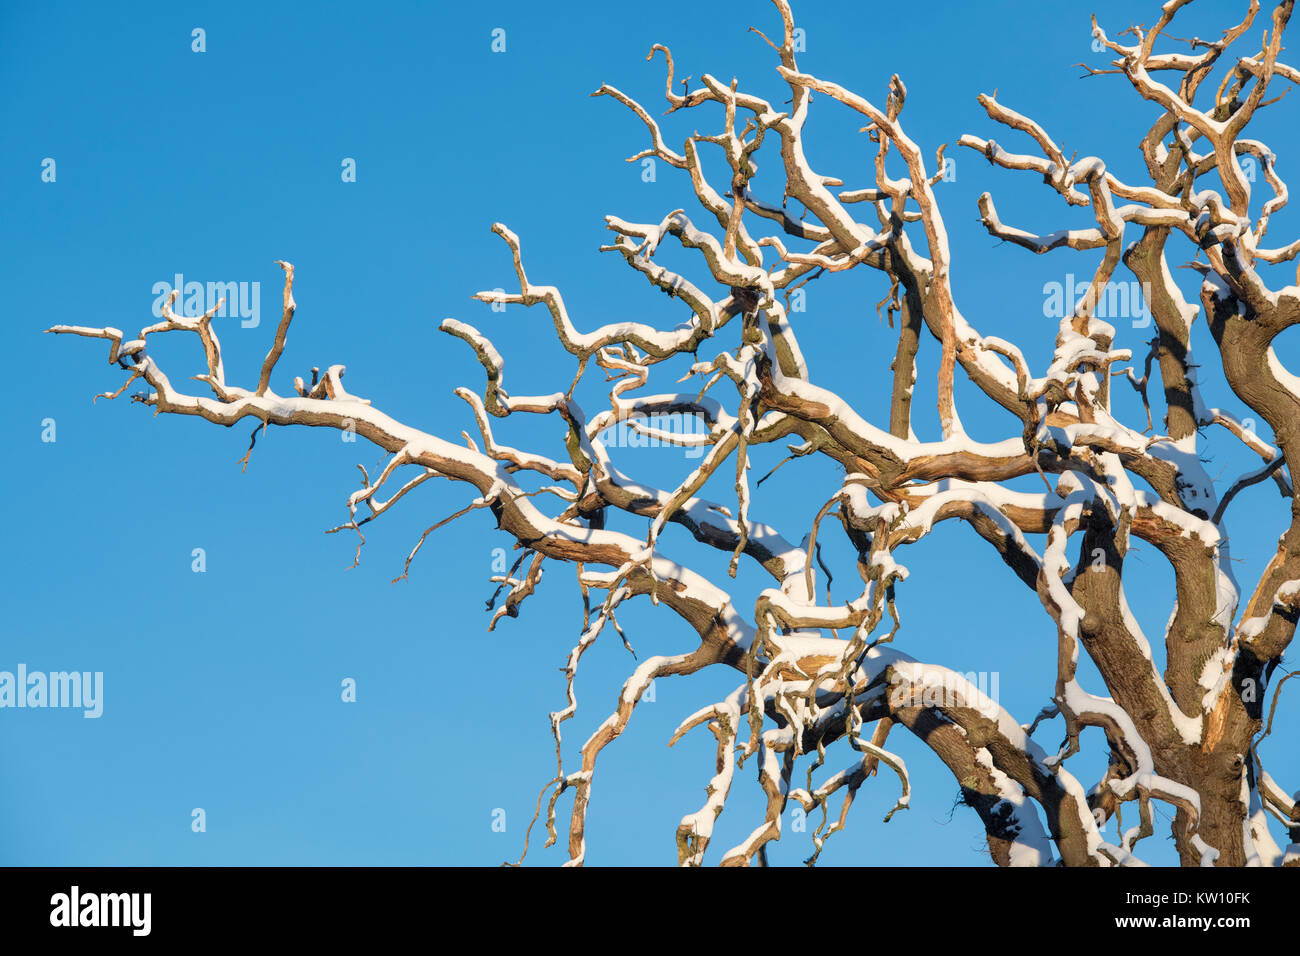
(222, 689)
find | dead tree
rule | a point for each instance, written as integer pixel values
(810, 671)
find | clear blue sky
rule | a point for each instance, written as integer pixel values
(222, 689)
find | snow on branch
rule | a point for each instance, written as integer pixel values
(812, 668)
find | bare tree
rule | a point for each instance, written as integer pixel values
(1187, 737)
